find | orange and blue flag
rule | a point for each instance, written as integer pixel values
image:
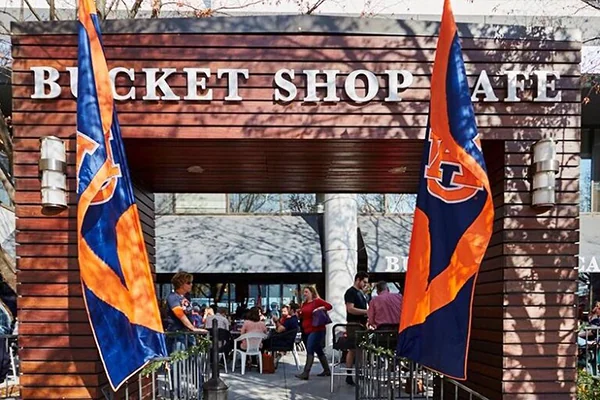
(115, 271)
(452, 223)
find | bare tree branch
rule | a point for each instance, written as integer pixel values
(5, 138)
(317, 4)
(9, 14)
(125, 5)
(135, 8)
(8, 270)
(156, 6)
(593, 3)
(52, 8)
(4, 28)
(110, 7)
(35, 14)
(7, 184)
(238, 7)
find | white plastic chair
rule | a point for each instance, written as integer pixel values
(253, 341)
(299, 345)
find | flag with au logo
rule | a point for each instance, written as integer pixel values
(452, 223)
(115, 273)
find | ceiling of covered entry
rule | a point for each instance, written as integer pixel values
(276, 166)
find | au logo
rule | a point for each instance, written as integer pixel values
(88, 146)
(446, 178)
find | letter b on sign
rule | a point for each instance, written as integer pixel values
(392, 264)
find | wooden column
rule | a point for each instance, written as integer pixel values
(58, 353)
(540, 277)
(524, 311)
(57, 350)
(485, 354)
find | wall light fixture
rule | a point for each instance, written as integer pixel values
(53, 174)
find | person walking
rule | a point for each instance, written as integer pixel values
(315, 334)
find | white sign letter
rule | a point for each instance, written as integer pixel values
(483, 86)
(73, 74)
(232, 82)
(152, 84)
(543, 86)
(372, 86)
(393, 264)
(193, 83)
(40, 82)
(513, 84)
(113, 78)
(394, 86)
(286, 85)
(593, 267)
(312, 85)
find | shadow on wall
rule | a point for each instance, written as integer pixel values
(387, 241)
(238, 244)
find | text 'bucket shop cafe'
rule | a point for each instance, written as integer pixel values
(304, 104)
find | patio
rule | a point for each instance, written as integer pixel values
(283, 385)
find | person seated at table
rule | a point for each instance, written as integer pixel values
(261, 314)
(208, 312)
(252, 324)
(289, 318)
(277, 338)
(196, 317)
(219, 315)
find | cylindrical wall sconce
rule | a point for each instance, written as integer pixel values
(53, 170)
(544, 168)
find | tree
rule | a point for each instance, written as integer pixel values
(593, 3)
(251, 203)
(299, 203)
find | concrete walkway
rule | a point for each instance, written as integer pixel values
(283, 385)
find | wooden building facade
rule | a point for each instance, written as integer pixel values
(261, 140)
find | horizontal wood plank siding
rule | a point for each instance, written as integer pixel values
(540, 285)
(522, 328)
(265, 54)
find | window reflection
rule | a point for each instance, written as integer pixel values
(401, 203)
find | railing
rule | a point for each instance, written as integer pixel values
(588, 341)
(380, 375)
(9, 364)
(178, 377)
(457, 391)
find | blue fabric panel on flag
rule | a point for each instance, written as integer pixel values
(123, 354)
(460, 110)
(88, 112)
(440, 331)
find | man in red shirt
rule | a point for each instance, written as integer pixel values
(384, 310)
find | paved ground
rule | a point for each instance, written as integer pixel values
(283, 385)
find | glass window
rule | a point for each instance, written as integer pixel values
(200, 203)
(589, 184)
(585, 185)
(290, 294)
(370, 203)
(256, 296)
(254, 203)
(273, 300)
(201, 294)
(298, 203)
(402, 203)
